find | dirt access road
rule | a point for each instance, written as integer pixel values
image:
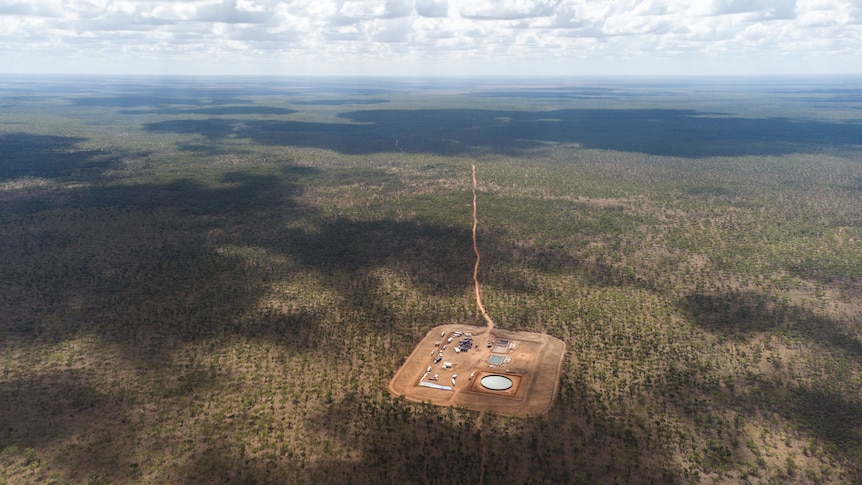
(529, 363)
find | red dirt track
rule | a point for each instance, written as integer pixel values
(532, 362)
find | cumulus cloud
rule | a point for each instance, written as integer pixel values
(474, 32)
(507, 9)
(232, 12)
(398, 8)
(765, 9)
(393, 31)
(360, 9)
(432, 8)
(46, 9)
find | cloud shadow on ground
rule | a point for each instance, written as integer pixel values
(681, 133)
(743, 314)
(817, 408)
(51, 157)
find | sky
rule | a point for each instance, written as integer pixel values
(432, 37)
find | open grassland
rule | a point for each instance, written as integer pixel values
(213, 280)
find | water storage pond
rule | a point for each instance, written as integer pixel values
(496, 383)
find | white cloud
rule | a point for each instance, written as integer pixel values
(765, 9)
(470, 35)
(249, 6)
(228, 11)
(398, 8)
(507, 9)
(28, 8)
(392, 31)
(432, 8)
(362, 9)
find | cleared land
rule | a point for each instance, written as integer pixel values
(532, 360)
